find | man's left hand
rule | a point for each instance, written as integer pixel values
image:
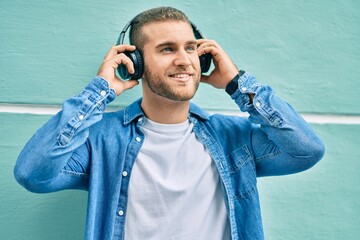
(225, 69)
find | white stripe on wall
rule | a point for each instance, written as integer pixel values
(51, 110)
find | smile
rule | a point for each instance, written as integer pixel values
(181, 77)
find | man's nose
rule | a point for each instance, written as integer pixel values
(182, 58)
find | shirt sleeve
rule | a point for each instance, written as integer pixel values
(282, 142)
(47, 163)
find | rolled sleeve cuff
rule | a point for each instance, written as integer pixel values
(100, 92)
(247, 84)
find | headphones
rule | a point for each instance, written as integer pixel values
(137, 59)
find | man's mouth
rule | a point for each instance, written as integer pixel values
(181, 76)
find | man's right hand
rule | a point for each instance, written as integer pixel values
(112, 60)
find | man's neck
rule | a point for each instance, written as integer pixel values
(165, 111)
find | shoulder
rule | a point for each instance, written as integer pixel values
(221, 122)
(111, 121)
(229, 121)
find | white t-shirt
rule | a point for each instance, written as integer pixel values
(174, 190)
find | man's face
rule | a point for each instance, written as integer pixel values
(172, 67)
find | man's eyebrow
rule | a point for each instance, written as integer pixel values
(168, 43)
(164, 44)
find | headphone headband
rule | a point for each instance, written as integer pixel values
(126, 27)
(197, 32)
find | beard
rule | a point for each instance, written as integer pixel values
(166, 88)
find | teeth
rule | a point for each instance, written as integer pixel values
(181, 75)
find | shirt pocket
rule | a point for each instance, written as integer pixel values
(242, 172)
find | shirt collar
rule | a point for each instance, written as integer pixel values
(134, 111)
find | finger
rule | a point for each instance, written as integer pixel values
(203, 40)
(204, 79)
(214, 51)
(116, 49)
(206, 43)
(130, 84)
(207, 46)
(123, 59)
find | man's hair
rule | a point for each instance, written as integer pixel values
(160, 14)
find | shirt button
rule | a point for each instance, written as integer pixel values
(124, 173)
(140, 119)
(103, 93)
(257, 104)
(81, 117)
(121, 212)
(138, 139)
(243, 89)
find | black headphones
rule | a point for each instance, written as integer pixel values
(137, 59)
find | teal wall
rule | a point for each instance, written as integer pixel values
(307, 50)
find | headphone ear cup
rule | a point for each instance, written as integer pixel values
(136, 58)
(205, 62)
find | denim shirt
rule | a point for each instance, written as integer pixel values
(82, 147)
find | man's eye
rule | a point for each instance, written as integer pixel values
(167, 49)
(191, 48)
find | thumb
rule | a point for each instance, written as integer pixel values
(204, 79)
(121, 86)
(130, 84)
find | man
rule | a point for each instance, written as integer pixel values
(162, 168)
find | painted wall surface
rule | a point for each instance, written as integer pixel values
(307, 50)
